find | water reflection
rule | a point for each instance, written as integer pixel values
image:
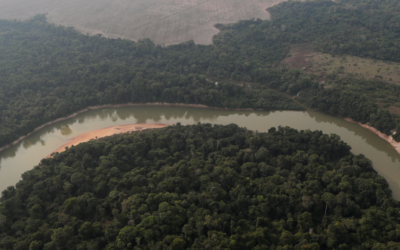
(28, 153)
(369, 137)
(11, 152)
(27, 144)
(66, 130)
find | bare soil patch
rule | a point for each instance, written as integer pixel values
(299, 56)
(163, 21)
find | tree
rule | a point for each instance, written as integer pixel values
(62, 236)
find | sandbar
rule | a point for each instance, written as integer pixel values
(129, 104)
(95, 134)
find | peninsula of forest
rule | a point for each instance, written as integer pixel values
(207, 186)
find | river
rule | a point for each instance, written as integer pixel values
(28, 153)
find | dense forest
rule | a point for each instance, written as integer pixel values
(49, 71)
(202, 187)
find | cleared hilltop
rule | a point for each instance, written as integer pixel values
(163, 21)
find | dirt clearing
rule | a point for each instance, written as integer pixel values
(299, 56)
(163, 21)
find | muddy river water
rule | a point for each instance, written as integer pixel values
(28, 153)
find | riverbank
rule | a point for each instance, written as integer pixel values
(388, 138)
(33, 149)
(96, 134)
(149, 104)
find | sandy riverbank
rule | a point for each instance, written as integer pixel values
(388, 138)
(107, 132)
(150, 104)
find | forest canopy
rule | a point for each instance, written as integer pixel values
(49, 71)
(202, 187)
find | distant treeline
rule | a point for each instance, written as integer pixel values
(49, 71)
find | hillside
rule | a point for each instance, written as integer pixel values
(202, 187)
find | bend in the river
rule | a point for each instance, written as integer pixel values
(28, 153)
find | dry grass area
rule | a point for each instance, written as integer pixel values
(163, 21)
(395, 109)
(359, 67)
(302, 56)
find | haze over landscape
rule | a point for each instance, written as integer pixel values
(265, 125)
(163, 21)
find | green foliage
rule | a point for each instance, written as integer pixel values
(209, 187)
(63, 71)
(352, 27)
(345, 104)
(200, 186)
(49, 71)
